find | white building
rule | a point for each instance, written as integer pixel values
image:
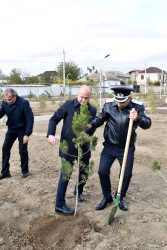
(107, 79)
(152, 74)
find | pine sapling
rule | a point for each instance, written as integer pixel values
(79, 126)
(155, 166)
(151, 100)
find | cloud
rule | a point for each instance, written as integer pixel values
(35, 32)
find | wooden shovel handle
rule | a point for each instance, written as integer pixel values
(125, 154)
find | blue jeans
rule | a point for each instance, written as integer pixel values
(108, 156)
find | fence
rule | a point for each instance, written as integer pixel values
(57, 90)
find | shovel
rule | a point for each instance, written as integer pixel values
(114, 209)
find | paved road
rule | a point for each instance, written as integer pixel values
(42, 117)
(47, 117)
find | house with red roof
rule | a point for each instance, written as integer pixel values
(151, 74)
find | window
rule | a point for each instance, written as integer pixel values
(142, 77)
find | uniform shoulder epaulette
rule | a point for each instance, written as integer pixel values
(137, 102)
(110, 100)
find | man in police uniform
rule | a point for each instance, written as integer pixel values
(66, 113)
(116, 114)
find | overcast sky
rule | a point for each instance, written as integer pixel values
(35, 32)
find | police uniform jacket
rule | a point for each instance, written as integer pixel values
(66, 112)
(20, 116)
(117, 122)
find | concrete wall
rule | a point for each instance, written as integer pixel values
(57, 90)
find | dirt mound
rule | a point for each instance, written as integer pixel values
(50, 232)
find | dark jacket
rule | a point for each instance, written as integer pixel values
(20, 116)
(117, 119)
(66, 112)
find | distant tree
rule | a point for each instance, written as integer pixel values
(71, 69)
(46, 78)
(92, 69)
(32, 79)
(89, 69)
(15, 77)
(24, 75)
(3, 77)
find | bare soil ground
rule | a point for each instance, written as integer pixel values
(27, 217)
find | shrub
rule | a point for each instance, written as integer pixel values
(31, 95)
(42, 102)
(155, 165)
(155, 83)
(1, 96)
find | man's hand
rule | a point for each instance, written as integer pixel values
(51, 140)
(86, 136)
(25, 139)
(133, 115)
(88, 126)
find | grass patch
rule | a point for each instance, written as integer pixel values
(155, 165)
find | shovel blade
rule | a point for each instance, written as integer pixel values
(112, 214)
(114, 209)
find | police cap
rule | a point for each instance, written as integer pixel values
(121, 94)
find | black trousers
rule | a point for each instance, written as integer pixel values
(108, 156)
(6, 148)
(62, 185)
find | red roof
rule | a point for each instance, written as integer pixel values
(152, 70)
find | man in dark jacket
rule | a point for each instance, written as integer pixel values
(66, 112)
(117, 113)
(20, 124)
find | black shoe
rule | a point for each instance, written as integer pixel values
(80, 198)
(64, 210)
(122, 205)
(104, 203)
(2, 176)
(24, 175)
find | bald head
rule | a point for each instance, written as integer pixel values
(84, 94)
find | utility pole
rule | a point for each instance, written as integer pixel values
(68, 84)
(100, 88)
(161, 77)
(145, 80)
(101, 81)
(64, 79)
